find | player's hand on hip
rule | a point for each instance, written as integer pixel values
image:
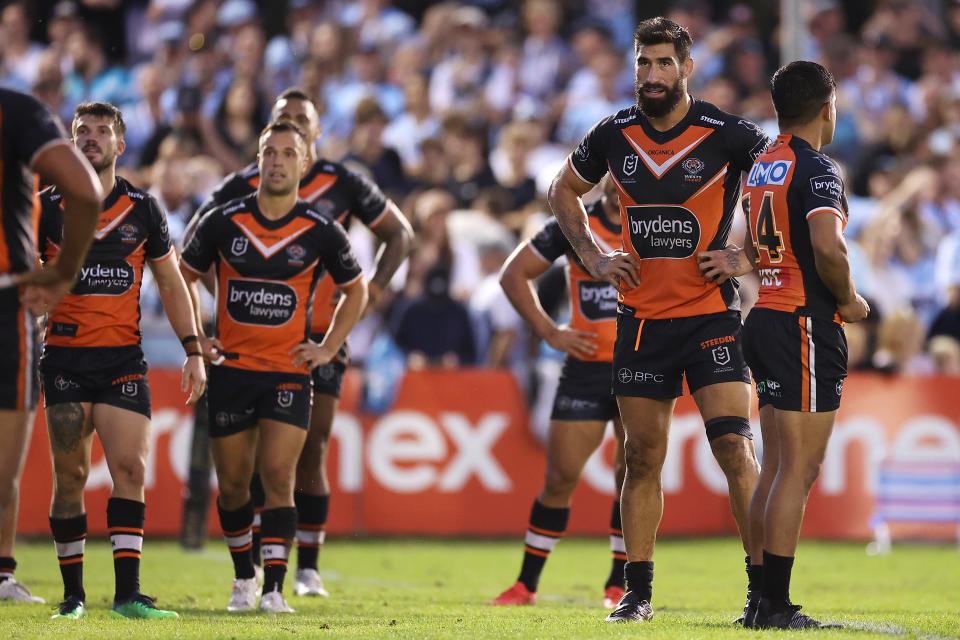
(193, 378)
(579, 344)
(617, 268)
(43, 289)
(855, 310)
(720, 265)
(212, 350)
(311, 354)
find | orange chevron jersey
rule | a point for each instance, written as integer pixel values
(678, 191)
(331, 189)
(789, 184)
(267, 274)
(26, 128)
(103, 308)
(593, 304)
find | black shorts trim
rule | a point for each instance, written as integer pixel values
(585, 392)
(798, 362)
(651, 357)
(237, 399)
(116, 376)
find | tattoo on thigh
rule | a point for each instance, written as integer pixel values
(65, 424)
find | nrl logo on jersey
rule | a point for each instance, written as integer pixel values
(239, 246)
(630, 164)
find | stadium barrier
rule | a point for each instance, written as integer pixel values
(454, 457)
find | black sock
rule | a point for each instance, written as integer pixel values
(258, 498)
(311, 527)
(7, 566)
(544, 531)
(279, 527)
(615, 578)
(236, 526)
(639, 577)
(69, 537)
(776, 577)
(754, 578)
(125, 522)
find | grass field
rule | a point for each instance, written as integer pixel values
(434, 589)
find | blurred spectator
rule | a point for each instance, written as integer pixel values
(366, 79)
(500, 330)
(514, 148)
(464, 144)
(457, 82)
(434, 329)
(20, 57)
(92, 78)
(375, 22)
(367, 148)
(435, 246)
(607, 97)
(232, 135)
(545, 64)
(417, 123)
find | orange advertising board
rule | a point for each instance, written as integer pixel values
(455, 456)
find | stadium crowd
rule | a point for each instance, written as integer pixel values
(462, 113)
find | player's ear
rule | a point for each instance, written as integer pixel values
(687, 67)
(121, 146)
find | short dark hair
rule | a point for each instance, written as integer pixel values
(283, 126)
(659, 30)
(104, 109)
(799, 91)
(294, 93)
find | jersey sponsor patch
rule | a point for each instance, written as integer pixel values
(663, 231)
(828, 187)
(764, 174)
(111, 278)
(598, 300)
(260, 302)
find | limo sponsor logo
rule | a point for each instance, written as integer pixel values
(769, 173)
(260, 302)
(104, 279)
(663, 231)
(828, 187)
(598, 300)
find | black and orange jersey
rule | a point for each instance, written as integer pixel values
(267, 273)
(103, 308)
(787, 185)
(593, 304)
(678, 192)
(331, 189)
(26, 128)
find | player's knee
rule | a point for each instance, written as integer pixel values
(313, 450)
(642, 459)
(129, 471)
(232, 489)
(69, 479)
(277, 479)
(560, 482)
(8, 490)
(733, 454)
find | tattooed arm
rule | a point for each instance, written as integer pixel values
(618, 268)
(722, 264)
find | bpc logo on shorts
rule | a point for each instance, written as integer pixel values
(61, 383)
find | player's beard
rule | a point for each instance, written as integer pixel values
(659, 107)
(107, 158)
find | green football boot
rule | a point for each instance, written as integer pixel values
(140, 606)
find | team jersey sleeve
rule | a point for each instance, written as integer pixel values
(158, 245)
(202, 250)
(367, 202)
(337, 255)
(747, 142)
(821, 189)
(588, 160)
(32, 127)
(549, 243)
